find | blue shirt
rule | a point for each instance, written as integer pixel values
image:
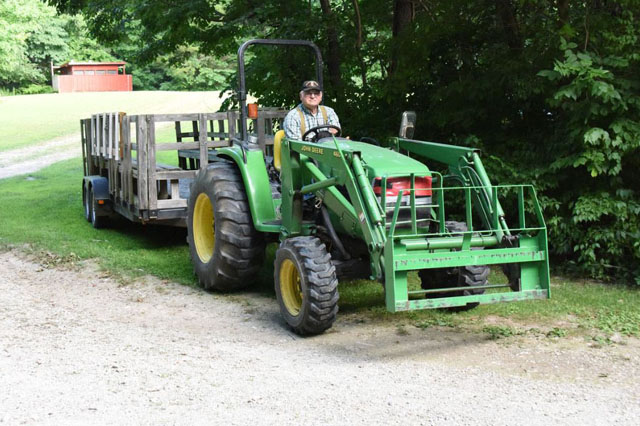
(292, 126)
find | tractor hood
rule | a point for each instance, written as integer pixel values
(379, 161)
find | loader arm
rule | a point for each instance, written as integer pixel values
(465, 165)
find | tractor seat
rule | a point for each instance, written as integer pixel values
(277, 142)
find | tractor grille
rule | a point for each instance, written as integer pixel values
(423, 211)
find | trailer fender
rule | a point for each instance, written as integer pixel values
(256, 183)
(99, 185)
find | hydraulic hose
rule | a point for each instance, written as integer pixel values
(332, 233)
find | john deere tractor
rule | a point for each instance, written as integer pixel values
(346, 209)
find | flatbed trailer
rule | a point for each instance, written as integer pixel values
(122, 174)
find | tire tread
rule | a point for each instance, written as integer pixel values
(239, 247)
(322, 282)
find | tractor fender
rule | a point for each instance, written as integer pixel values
(256, 183)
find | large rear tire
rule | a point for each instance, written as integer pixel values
(463, 276)
(226, 250)
(306, 285)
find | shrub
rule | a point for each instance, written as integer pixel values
(593, 207)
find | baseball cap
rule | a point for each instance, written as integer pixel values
(311, 85)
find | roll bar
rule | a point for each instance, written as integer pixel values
(242, 93)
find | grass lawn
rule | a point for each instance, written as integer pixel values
(30, 119)
(44, 212)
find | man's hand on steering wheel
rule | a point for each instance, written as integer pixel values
(323, 126)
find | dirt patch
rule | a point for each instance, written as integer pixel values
(78, 347)
(35, 157)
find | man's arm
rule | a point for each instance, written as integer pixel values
(332, 118)
(291, 125)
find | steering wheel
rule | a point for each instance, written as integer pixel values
(323, 126)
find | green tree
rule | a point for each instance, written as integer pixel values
(18, 20)
(33, 36)
(561, 114)
(81, 45)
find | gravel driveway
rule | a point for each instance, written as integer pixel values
(80, 348)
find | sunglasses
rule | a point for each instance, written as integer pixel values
(312, 92)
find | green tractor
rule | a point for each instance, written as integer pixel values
(346, 209)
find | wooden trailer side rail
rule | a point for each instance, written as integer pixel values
(123, 148)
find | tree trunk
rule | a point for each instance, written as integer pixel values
(333, 60)
(358, 46)
(563, 12)
(403, 14)
(507, 16)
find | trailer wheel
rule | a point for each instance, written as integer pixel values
(306, 285)
(226, 250)
(97, 221)
(463, 276)
(86, 202)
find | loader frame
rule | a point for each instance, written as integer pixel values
(395, 252)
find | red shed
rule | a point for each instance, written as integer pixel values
(91, 77)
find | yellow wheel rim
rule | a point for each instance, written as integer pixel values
(203, 226)
(290, 287)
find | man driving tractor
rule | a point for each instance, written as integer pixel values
(309, 114)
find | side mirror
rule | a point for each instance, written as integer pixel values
(407, 124)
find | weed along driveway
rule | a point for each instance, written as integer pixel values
(79, 347)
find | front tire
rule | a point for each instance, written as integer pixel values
(226, 250)
(306, 285)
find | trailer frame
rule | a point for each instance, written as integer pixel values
(122, 149)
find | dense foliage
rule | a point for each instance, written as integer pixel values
(34, 35)
(549, 88)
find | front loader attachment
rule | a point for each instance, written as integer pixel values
(485, 239)
(521, 252)
(413, 231)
